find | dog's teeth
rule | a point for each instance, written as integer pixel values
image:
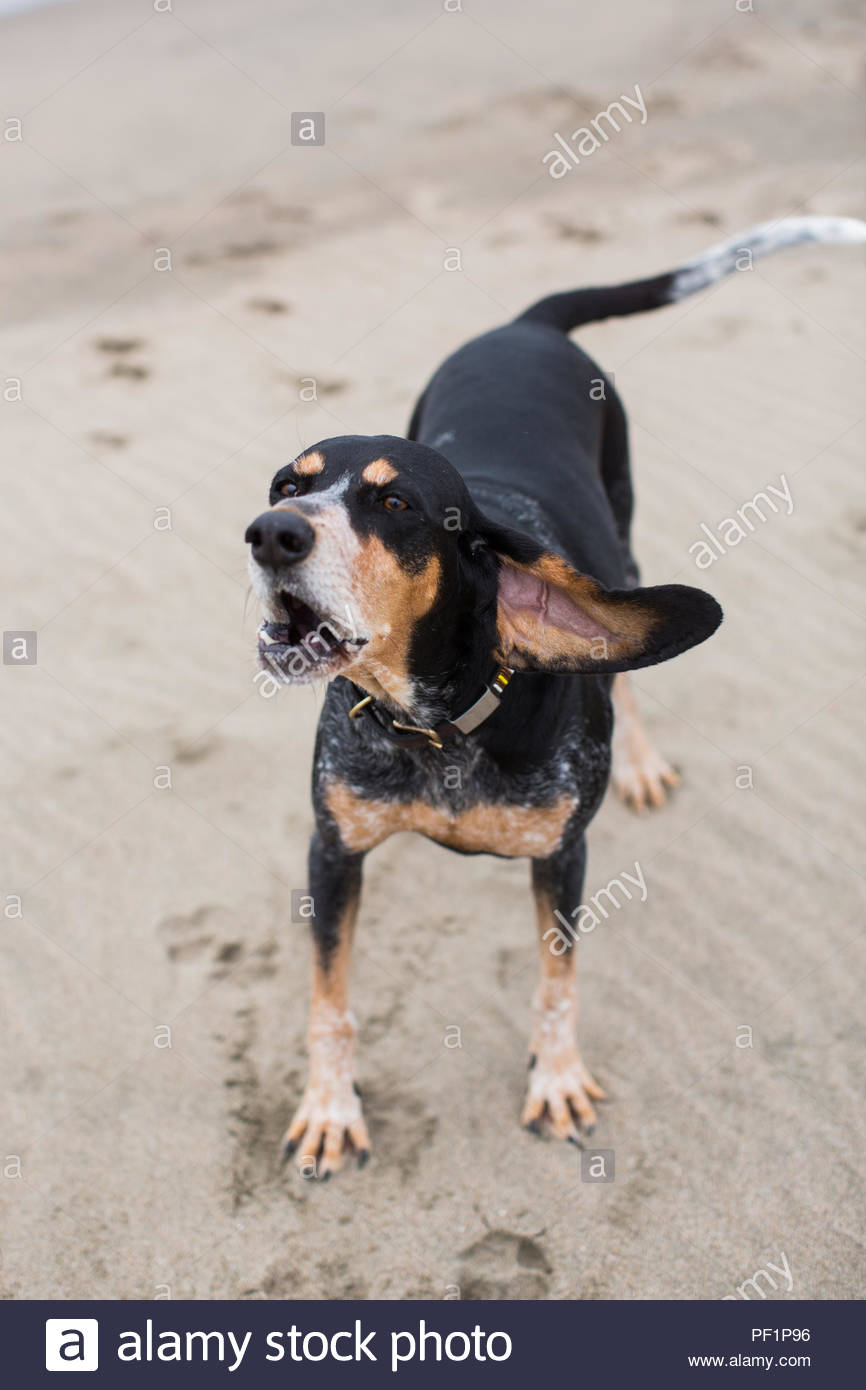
(265, 636)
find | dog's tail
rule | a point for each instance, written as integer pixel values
(576, 307)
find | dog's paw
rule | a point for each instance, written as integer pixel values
(559, 1097)
(641, 776)
(327, 1125)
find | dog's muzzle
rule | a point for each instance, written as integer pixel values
(300, 641)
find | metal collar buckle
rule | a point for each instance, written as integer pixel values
(430, 734)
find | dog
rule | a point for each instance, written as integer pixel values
(470, 594)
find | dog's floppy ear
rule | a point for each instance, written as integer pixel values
(551, 618)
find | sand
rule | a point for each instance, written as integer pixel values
(134, 1169)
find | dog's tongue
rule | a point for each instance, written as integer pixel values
(272, 633)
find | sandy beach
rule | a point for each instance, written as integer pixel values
(174, 271)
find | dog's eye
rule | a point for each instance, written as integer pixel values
(289, 488)
(393, 503)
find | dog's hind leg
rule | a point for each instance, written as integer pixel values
(561, 1090)
(616, 477)
(329, 1117)
(640, 775)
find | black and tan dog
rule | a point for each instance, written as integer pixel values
(471, 595)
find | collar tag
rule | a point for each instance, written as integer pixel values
(485, 706)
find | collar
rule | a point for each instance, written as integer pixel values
(411, 736)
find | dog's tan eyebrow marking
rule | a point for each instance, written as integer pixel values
(379, 472)
(309, 463)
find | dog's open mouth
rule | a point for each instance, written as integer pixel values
(307, 645)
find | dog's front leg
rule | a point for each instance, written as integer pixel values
(329, 1117)
(561, 1090)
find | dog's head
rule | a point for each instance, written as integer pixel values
(358, 547)
(373, 560)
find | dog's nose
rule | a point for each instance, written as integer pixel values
(280, 538)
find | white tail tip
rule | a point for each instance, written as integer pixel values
(738, 252)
